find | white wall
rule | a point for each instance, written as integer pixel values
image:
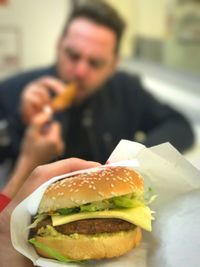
(39, 23)
(151, 18)
(127, 9)
(144, 18)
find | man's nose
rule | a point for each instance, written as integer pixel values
(81, 69)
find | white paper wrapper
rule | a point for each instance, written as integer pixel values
(175, 239)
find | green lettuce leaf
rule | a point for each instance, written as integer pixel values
(53, 253)
(97, 206)
(66, 211)
(126, 202)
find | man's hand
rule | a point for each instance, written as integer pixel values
(43, 173)
(36, 95)
(42, 141)
(41, 144)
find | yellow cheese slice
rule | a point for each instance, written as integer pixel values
(140, 216)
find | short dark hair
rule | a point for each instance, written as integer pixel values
(101, 13)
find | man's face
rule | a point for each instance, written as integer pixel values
(86, 55)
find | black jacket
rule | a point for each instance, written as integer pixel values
(117, 111)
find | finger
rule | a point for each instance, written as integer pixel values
(37, 93)
(34, 102)
(32, 105)
(64, 166)
(54, 134)
(41, 119)
(34, 88)
(41, 92)
(43, 173)
(52, 83)
(53, 131)
(61, 148)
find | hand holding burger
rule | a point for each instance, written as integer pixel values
(9, 256)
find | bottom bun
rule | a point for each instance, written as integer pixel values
(85, 247)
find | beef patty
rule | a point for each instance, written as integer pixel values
(88, 226)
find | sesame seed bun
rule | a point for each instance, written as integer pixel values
(85, 247)
(89, 187)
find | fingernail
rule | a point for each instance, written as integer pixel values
(47, 109)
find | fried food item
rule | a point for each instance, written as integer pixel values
(65, 99)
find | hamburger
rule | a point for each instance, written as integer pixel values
(93, 215)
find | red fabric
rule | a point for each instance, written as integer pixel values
(4, 200)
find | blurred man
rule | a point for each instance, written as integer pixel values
(109, 105)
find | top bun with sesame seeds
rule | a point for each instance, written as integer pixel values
(91, 186)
